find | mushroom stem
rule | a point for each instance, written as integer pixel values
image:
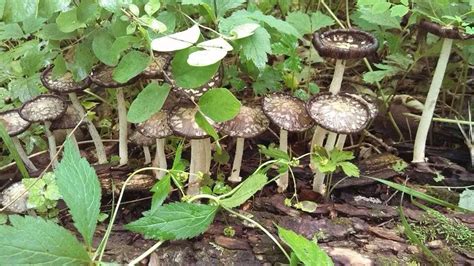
(239, 151)
(430, 103)
(340, 141)
(207, 151)
(24, 157)
(282, 182)
(330, 141)
(318, 182)
(146, 152)
(99, 146)
(51, 143)
(160, 158)
(197, 164)
(73, 138)
(318, 137)
(336, 82)
(123, 127)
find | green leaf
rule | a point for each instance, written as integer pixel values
(187, 76)
(68, 21)
(307, 251)
(152, 6)
(87, 11)
(222, 6)
(380, 7)
(256, 47)
(149, 101)
(277, 24)
(398, 11)
(212, 101)
(17, 11)
(340, 156)
(7, 141)
(245, 190)
(36, 241)
(51, 32)
(132, 64)
(203, 123)
(101, 46)
(274, 153)
(83, 61)
(114, 5)
(79, 185)
(319, 20)
(46, 8)
(175, 221)
(160, 190)
(10, 31)
(349, 169)
(300, 21)
(466, 200)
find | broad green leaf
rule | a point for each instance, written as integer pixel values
(87, 11)
(152, 6)
(246, 190)
(206, 57)
(17, 11)
(380, 7)
(132, 64)
(79, 185)
(398, 11)
(300, 21)
(101, 45)
(123, 43)
(177, 41)
(149, 101)
(83, 61)
(319, 20)
(307, 251)
(212, 101)
(10, 31)
(187, 76)
(349, 169)
(277, 24)
(244, 30)
(160, 190)
(68, 21)
(340, 156)
(222, 6)
(273, 153)
(466, 200)
(36, 241)
(51, 32)
(175, 221)
(32, 24)
(204, 124)
(46, 8)
(256, 47)
(25, 88)
(114, 5)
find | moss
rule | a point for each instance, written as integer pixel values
(449, 196)
(342, 221)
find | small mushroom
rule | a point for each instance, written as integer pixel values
(249, 123)
(195, 93)
(66, 85)
(68, 121)
(44, 108)
(288, 113)
(157, 127)
(11, 199)
(15, 125)
(144, 141)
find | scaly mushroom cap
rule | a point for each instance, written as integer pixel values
(345, 43)
(195, 93)
(370, 102)
(67, 121)
(13, 122)
(44, 107)
(339, 113)
(103, 76)
(287, 112)
(249, 123)
(141, 140)
(157, 66)
(156, 126)
(11, 193)
(64, 84)
(444, 32)
(183, 123)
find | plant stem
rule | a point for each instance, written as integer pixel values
(146, 152)
(430, 103)
(24, 157)
(160, 158)
(51, 143)
(336, 82)
(146, 253)
(239, 151)
(282, 182)
(123, 127)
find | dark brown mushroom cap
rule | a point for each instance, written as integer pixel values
(345, 43)
(44, 107)
(287, 112)
(103, 76)
(249, 123)
(370, 102)
(13, 122)
(157, 66)
(339, 113)
(64, 84)
(156, 126)
(141, 140)
(444, 32)
(67, 121)
(181, 120)
(195, 93)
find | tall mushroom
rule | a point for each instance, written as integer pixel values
(66, 85)
(289, 114)
(249, 123)
(15, 125)
(67, 121)
(448, 35)
(44, 108)
(144, 141)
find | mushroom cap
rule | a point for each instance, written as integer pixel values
(67, 121)
(195, 93)
(44, 107)
(339, 113)
(103, 76)
(157, 66)
(287, 112)
(183, 123)
(64, 84)
(141, 140)
(249, 123)
(370, 102)
(11, 193)
(156, 126)
(14, 124)
(345, 43)
(444, 32)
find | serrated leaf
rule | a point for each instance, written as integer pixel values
(101, 46)
(68, 21)
(349, 169)
(307, 251)
(246, 190)
(187, 76)
(466, 200)
(256, 47)
(273, 153)
(320, 20)
(277, 24)
(340, 156)
(175, 221)
(131, 64)
(79, 185)
(36, 241)
(149, 101)
(212, 101)
(177, 41)
(160, 192)
(306, 24)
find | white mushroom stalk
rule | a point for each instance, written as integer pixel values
(237, 163)
(123, 127)
(160, 158)
(51, 143)
(146, 153)
(199, 164)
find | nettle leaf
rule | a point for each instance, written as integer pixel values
(149, 101)
(175, 221)
(246, 190)
(340, 156)
(177, 41)
(132, 64)
(79, 185)
(101, 46)
(212, 101)
(256, 47)
(187, 76)
(68, 21)
(307, 251)
(32, 240)
(349, 169)
(160, 191)
(277, 24)
(466, 200)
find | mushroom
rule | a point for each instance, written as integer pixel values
(15, 125)
(103, 76)
(66, 85)
(289, 114)
(158, 64)
(339, 114)
(157, 127)
(182, 122)
(448, 35)
(45, 108)
(12, 193)
(141, 140)
(68, 121)
(249, 123)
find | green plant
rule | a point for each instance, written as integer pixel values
(43, 194)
